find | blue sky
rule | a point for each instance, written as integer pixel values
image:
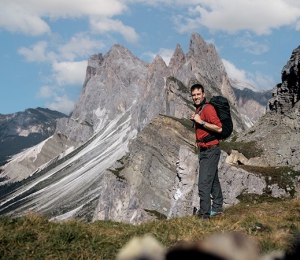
(45, 44)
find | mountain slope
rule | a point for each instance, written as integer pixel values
(21, 130)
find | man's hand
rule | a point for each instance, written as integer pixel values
(196, 118)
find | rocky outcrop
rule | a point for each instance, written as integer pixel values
(145, 177)
(208, 69)
(277, 132)
(287, 94)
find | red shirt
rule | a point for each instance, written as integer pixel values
(208, 114)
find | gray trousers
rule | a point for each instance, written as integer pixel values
(208, 183)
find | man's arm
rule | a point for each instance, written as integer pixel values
(207, 125)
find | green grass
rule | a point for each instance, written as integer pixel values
(248, 149)
(272, 224)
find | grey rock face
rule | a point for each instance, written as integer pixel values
(70, 185)
(185, 188)
(177, 61)
(277, 136)
(287, 94)
(236, 181)
(208, 68)
(149, 172)
(118, 201)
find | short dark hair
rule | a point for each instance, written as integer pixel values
(197, 86)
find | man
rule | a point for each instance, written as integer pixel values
(209, 154)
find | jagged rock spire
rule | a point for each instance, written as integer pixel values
(177, 61)
(287, 94)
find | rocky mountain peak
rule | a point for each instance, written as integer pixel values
(177, 60)
(287, 94)
(197, 43)
(118, 50)
(159, 62)
(205, 54)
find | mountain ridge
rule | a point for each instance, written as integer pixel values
(21, 130)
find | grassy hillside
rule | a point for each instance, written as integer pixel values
(272, 224)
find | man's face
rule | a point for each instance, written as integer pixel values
(197, 96)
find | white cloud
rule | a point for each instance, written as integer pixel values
(37, 53)
(259, 62)
(61, 103)
(165, 54)
(75, 8)
(104, 25)
(80, 45)
(15, 18)
(69, 73)
(57, 98)
(253, 47)
(45, 92)
(27, 18)
(236, 73)
(264, 81)
(297, 27)
(232, 16)
(257, 80)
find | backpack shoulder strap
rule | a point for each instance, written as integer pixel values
(204, 105)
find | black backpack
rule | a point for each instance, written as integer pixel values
(222, 107)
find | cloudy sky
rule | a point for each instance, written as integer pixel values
(44, 45)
